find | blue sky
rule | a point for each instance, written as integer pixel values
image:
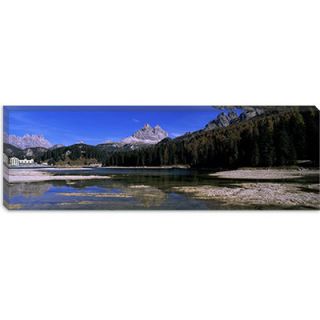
(93, 125)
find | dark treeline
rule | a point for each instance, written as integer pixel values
(274, 139)
(73, 153)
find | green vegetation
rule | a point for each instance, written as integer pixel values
(78, 154)
(274, 139)
(279, 137)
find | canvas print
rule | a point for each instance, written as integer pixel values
(161, 157)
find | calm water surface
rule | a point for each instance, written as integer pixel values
(127, 189)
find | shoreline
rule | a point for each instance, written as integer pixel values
(38, 175)
(148, 167)
(20, 175)
(258, 194)
(264, 173)
(97, 167)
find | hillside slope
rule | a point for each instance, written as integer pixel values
(274, 138)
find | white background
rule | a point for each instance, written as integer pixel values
(170, 265)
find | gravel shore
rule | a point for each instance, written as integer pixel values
(36, 175)
(264, 174)
(284, 195)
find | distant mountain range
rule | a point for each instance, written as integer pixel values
(40, 149)
(146, 135)
(36, 146)
(27, 141)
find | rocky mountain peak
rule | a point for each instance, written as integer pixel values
(223, 120)
(251, 112)
(147, 135)
(27, 141)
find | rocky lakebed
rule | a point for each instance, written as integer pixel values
(136, 188)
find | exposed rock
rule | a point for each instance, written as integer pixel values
(29, 153)
(257, 194)
(56, 146)
(264, 174)
(27, 141)
(251, 112)
(232, 116)
(223, 120)
(147, 135)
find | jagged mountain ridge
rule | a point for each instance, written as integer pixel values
(27, 141)
(223, 120)
(147, 135)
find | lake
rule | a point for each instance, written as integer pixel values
(149, 189)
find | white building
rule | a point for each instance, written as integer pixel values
(14, 161)
(26, 161)
(17, 162)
